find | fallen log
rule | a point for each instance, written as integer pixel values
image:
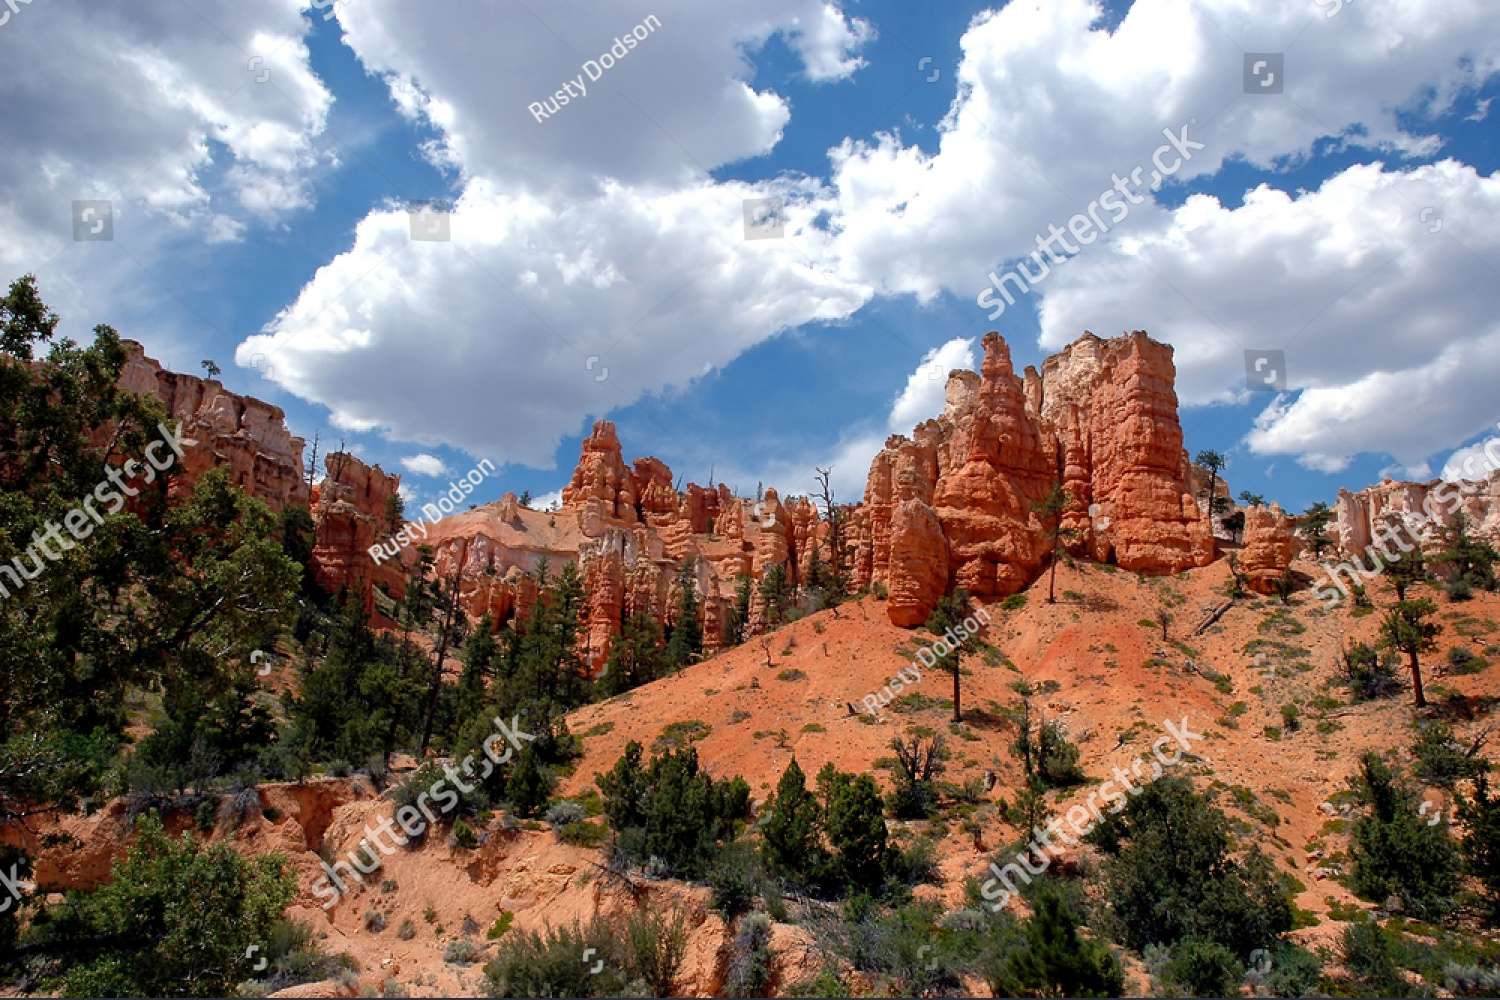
(1214, 616)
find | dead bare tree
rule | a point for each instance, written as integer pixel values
(835, 548)
(340, 460)
(312, 461)
(919, 760)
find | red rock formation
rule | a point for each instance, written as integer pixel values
(627, 529)
(1122, 389)
(1101, 418)
(652, 481)
(701, 507)
(1269, 547)
(352, 514)
(807, 534)
(919, 563)
(601, 485)
(994, 467)
(239, 433)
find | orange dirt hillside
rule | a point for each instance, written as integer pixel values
(1093, 660)
(1096, 665)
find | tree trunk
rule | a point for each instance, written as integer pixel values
(1416, 681)
(957, 714)
(437, 680)
(1052, 577)
(442, 651)
(390, 732)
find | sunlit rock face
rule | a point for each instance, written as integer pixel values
(1100, 418)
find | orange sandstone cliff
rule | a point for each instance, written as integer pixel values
(239, 433)
(352, 511)
(1100, 419)
(954, 504)
(1270, 545)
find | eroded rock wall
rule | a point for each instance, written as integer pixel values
(1269, 546)
(352, 512)
(1100, 418)
(242, 434)
(1414, 511)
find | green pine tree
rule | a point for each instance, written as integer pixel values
(791, 842)
(635, 658)
(1049, 957)
(951, 612)
(739, 615)
(529, 786)
(1406, 629)
(852, 811)
(1314, 527)
(685, 644)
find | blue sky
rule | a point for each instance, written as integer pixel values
(597, 235)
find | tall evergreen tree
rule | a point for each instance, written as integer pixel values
(1406, 629)
(1213, 462)
(790, 833)
(948, 618)
(479, 653)
(1314, 527)
(450, 616)
(1051, 508)
(776, 594)
(635, 658)
(1398, 850)
(418, 606)
(852, 817)
(739, 614)
(685, 644)
(1472, 560)
(1406, 572)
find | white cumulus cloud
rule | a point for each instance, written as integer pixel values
(1051, 107)
(424, 464)
(592, 259)
(138, 105)
(923, 396)
(1377, 286)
